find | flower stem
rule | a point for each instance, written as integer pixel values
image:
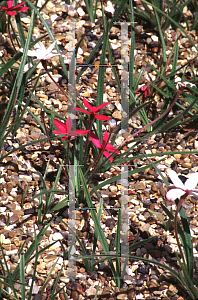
(44, 64)
(88, 134)
(151, 123)
(175, 227)
(9, 33)
(98, 159)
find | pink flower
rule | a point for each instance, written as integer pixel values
(179, 189)
(66, 129)
(93, 110)
(11, 9)
(183, 85)
(100, 146)
(144, 90)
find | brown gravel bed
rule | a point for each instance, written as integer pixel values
(20, 181)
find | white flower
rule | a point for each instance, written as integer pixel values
(179, 189)
(41, 53)
(182, 85)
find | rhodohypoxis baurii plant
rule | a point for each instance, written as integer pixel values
(11, 10)
(105, 146)
(143, 89)
(181, 190)
(42, 53)
(66, 129)
(93, 110)
(183, 85)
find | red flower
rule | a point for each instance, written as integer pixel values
(144, 90)
(66, 129)
(11, 9)
(93, 110)
(98, 144)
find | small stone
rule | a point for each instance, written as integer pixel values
(80, 11)
(35, 289)
(131, 294)
(116, 115)
(122, 296)
(154, 38)
(14, 258)
(49, 257)
(153, 284)
(113, 188)
(16, 241)
(57, 236)
(110, 8)
(140, 185)
(110, 223)
(41, 268)
(64, 279)
(196, 144)
(154, 188)
(172, 290)
(56, 77)
(75, 295)
(90, 291)
(86, 94)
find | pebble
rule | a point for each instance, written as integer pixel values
(49, 257)
(154, 38)
(56, 77)
(122, 296)
(140, 185)
(109, 8)
(75, 295)
(14, 219)
(80, 11)
(90, 291)
(57, 236)
(110, 223)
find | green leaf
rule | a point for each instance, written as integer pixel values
(22, 275)
(98, 229)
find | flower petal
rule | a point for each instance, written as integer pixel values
(194, 193)
(61, 126)
(106, 154)
(39, 46)
(57, 132)
(82, 131)
(19, 8)
(95, 140)
(110, 148)
(10, 3)
(105, 138)
(49, 49)
(11, 13)
(18, 5)
(97, 108)
(87, 105)
(80, 109)
(173, 194)
(102, 118)
(31, 52)
(192, 181)
(175, 179)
